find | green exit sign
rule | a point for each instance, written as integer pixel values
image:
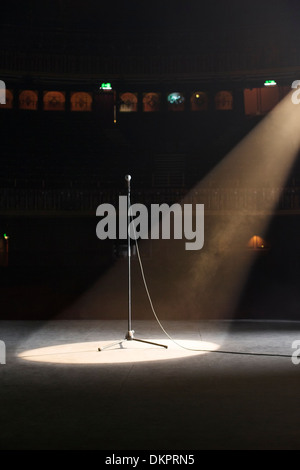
(106, 86)
(270, 83)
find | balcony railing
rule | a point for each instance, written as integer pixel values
(85, 202)
(187, 65)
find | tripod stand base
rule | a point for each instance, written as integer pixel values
(130, 337)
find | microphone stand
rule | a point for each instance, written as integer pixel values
(130, 332)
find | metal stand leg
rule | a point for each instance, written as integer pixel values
(131, 338)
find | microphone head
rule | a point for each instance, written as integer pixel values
(127, 178)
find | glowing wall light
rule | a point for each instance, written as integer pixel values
(199, 101)
(257, 243)
(224, 100)
(176, 101)
(28, 99)
(81, 101)
(151, 102)
(128, 102)
(8, 102)
(54, 101)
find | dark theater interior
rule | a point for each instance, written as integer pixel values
(178, 105)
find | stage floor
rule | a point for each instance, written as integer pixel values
(221, 385)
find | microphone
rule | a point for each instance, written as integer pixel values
(128, 178)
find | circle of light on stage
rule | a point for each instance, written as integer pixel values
(87, 352)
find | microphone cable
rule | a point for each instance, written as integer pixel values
(218, 351)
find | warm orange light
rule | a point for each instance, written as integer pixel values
(256, 242)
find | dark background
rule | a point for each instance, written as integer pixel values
(54, 257)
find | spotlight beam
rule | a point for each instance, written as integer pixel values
(262, 159)
(208, 283)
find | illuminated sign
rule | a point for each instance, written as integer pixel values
(270, 83)
(106, 86)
